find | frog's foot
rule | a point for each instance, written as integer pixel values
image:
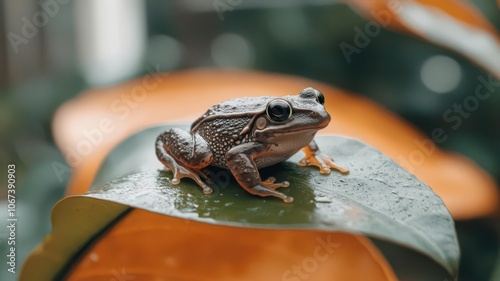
(179, 172)
(269, 183)
(183, 172)
(324, 162)
(314, 157)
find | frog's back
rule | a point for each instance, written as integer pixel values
(222, 124)
(233, 108)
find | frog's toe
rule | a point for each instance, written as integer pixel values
(325, 171)
(265, 191)
(333, 165)
(269, 180)
(329, 164)
(304, 162)
(343, 170)
(271, 183)
(176, 181)
(207, 190)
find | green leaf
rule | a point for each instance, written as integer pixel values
(377, 198)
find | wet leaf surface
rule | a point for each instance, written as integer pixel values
(377, 198)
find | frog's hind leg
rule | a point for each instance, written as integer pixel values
(184, 155)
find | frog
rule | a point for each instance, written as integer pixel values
(246, 134)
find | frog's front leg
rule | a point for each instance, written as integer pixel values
(240, 160)
(184, 154)
(314, 157)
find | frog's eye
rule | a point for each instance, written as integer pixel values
(311, 93)
(319, 97)
(278, 110)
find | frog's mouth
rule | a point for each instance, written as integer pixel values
(302, 132)
(287, 128)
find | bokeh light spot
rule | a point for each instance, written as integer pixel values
(232, 50)
(441, 74)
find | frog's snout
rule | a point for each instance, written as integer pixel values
(322, 117)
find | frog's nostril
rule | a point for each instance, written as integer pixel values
(319, 115)
(315, 115)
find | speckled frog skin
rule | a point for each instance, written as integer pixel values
(246, 134)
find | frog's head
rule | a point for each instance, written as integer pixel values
(303, 112)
